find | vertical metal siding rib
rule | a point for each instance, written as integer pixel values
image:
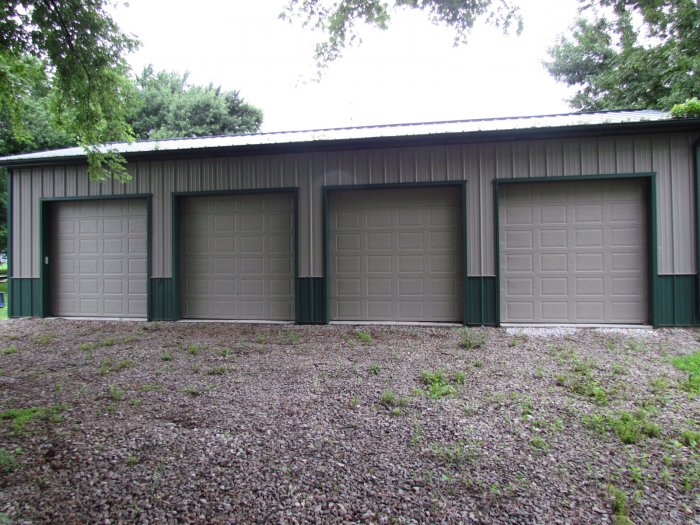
(555, 159)
(624, 150)
(590, 163)
(572, 157)
(487, 167)
(682, 216)
(606, 156)
(661, 159)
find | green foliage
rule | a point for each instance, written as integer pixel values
(629, 427)
(458, 453)
(9, 350)
(363, 337)
(21, 417)
(690, 438)
(689, 108)
(373, 369)
(339, 20)
(538, 443)
(691, 364)
(390, 399)
(437, 384)
(166, 106)
(216, 371)
(620, 506)
(108, 365)
(116, 393)
(77, 49)
(630, 54)
(8, 460)
(471, 338)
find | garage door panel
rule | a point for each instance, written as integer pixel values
(99, 254)
(395, 254)
(237, 257)
(588, 235)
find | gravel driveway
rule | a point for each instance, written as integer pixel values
(107, 422)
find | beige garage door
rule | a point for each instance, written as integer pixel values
(98, 258)
(237, 257)
(573, 252)
(395, 254)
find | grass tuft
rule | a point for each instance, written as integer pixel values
(437, 384)
(691, 364)
(21, 417)
(471, 338)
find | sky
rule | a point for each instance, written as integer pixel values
(411, 72)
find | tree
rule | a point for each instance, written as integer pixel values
(34, 132)
(81, 51)
(167, 107)
(631, 54)
(339, 20)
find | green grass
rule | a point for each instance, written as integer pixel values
(629, 427)
(691, 364)
(8, 460)
(3, 288)
(21, 417)
(437, 384)
(363, 337)
(471, 338)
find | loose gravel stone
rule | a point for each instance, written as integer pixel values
(218, 423)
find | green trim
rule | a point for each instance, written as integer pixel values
(45, 214)
(162, 306)
(677, 303)
(326, 257)
(461, 184)
(652, 230)
(297, 285)
(176, 291)
(176, 198)
(10, 197)
(481, 301)
(311, 304)
(24, 297)
(497, 253)
(466, 295)
(697, 222)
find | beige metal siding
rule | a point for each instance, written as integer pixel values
(670, 156)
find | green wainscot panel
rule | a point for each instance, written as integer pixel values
(310, 300)
(164, 301)
(675, 301)
(25, 298)
(480, 301)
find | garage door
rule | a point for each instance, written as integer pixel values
(573, 252)
(395, 254)
(98, 258)
(237, 257)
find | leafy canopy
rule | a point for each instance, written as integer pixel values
(167, 107)
(631, 54)
(339, 19)
(75, 49)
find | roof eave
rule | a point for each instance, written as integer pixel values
(534, 133)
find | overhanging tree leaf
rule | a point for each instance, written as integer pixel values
(339, 19)
(631, 54)
(82, 52)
